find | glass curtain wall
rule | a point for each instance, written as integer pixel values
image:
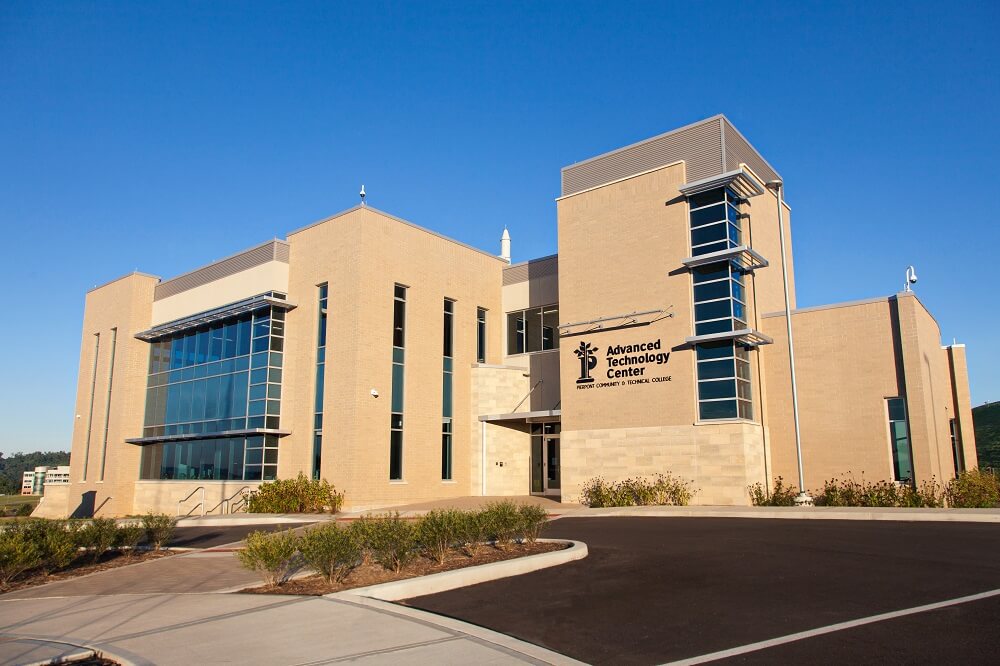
(398, 357)
(216, 459)
(724, 389)
(320, 381)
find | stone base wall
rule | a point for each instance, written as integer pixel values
(162, 496)
(721, 459)
(54, 502)
(508, 460)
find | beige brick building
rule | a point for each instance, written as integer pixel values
(405, 366)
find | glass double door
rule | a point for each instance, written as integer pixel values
(545, 459)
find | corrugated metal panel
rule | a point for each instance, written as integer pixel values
(530, 270)
(699, 145)
(271, 251)
(739, 150)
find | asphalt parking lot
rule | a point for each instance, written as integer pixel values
(659, 590)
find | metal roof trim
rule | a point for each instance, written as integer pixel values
(216, 314)
(741, 180)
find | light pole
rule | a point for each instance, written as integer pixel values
(803, 498)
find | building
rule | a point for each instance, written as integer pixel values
(405, 366)
(34, 482)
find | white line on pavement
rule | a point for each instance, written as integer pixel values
(829, 629)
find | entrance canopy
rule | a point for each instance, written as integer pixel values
(541, 415)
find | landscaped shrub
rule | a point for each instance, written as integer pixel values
(18, 553)
(532, 519)
(503, 523)
(159, 528)
(879, 494)
(273, 554)
(392, 541)
(98, 536)
(25, 510)
(298, 495)
(362, 531)
(330, 550)
(55, 540)
(662, 490)
(472, 531)
(780, 494)
(438, 532)
(128, 538)
(973, 489)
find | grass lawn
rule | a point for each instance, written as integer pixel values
(7, 500)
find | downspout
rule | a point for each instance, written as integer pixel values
(483, 454)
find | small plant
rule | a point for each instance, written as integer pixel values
(332, 551)
(662, 490)
(532, 520)
(503, 523)
(438, 532)
(128, 538)
(472, 530)
(362, 530)
(392, 541)
(973, 489)
(98, 537)
(780, 494)
(55, 540)
(272, 554)
(18, 553)
(298, 495)
(159, 528)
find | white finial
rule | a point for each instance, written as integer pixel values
(362, 195)
(505, 245)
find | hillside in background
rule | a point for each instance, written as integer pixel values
(12, 469)
(986, 419)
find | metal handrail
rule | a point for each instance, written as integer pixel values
(190, 495)
(225, 501)
(537, 384)
(101, 505)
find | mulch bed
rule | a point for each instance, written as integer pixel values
(374, 574)
(82, 567)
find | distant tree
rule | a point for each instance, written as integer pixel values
(12, 469)
(986, 419)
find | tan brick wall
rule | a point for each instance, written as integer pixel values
(362, 254)
(125, 304)
(722, 459)
(962, 403)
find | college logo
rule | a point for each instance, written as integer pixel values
(588, 361)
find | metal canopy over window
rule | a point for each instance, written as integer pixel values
(748, 258)
(268, 299)
(740, 181)
(745, 336)
(244, 432)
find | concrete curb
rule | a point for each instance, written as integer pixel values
(795, 513)
(450, 580)
(237, 520)
(531, 650)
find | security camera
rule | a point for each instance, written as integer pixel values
(374, 393)
(911, 278)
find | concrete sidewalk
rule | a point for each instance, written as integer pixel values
(186, 629)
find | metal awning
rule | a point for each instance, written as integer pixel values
(247, 432)
(740, 181)
(747, 257)
(745, 336)
(209, 316)
(523, 416)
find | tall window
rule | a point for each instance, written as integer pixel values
(320, 381)
(446, 392)
(724, 389)
(396, 418)
(90, 415)
(956, 448)
(535, 329)
(899, 440)
(480, 335)
(107, 410)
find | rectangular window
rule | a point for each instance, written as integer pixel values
(213, 459)
(480, 335)
(320, 382)
(535, 329)
(899, 440)
(446, 391)
(107, 410)
(956, 448)
(723, 381)
(398, 356)
(90, 415)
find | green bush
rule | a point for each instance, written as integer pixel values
(472, 531)
(503, 523)
(158, 527)
(25, 510)
(56, 541)
(298, 495)
(272, 554)
(98, 536)
(878, 494)
(363, 530)
(532, 520)
(438, 532)
(973, 489)
(662, 490)
(128, 538)
(331, 551)
(392, 541)
(18, 553)
(780, 494)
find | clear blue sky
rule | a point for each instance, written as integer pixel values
(161, 136)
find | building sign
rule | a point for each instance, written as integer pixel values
(624, 365)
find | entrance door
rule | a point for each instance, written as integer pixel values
(545, 462)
